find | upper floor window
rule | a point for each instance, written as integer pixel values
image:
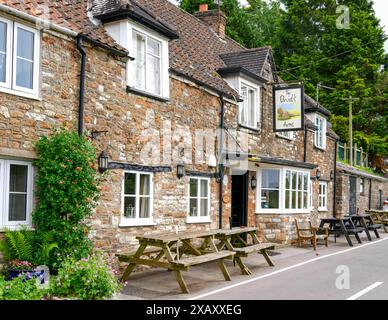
(19, 57)
(15, 193)
(137, 199)
(320, 132)
(286, 134)
(249, 107)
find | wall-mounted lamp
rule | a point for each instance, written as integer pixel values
(331, 175)
(318, 174)
(180, 170)
(253, 182)
(103, 161)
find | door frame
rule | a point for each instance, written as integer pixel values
(243, 216)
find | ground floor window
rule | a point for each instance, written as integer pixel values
(16, 181)
(322, 196)
(283, 190)
(199, 200)
(137, 198)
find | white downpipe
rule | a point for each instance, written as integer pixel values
(46, 24)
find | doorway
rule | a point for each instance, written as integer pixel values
(239, 200)
(352, 195)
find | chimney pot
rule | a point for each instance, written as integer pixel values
(203, 7)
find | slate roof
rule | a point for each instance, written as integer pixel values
(68, 14)
(352, 170)
(311, 105)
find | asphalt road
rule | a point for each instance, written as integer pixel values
(353, 273)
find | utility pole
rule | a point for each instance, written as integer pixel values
(351, 99)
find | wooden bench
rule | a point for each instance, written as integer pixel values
(244, 251)
(381, 217)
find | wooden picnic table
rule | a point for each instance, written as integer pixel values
(341, 226)
(235, 239)
(169, 249)
(380, 216)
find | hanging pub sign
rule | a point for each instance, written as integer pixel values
(288, 109)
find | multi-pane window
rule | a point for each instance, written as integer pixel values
(137, 197)
(270, 188)
(15, 193)
(19, 57)
(283, 189)
(322, 196)
(320, 132)
(286, 134)
(199, 198)
(296, 190)
(148, 60)
(248, 111)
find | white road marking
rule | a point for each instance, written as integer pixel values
(284, 269)
(366, 290)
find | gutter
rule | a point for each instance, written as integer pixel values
(221, 167)
(370, 194)
(305, 144)
(81, 86)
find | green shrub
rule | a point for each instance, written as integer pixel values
(67, 190)
(20, 289)
(86, 279)
(27, 245)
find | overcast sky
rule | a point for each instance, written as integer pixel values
(381, 9)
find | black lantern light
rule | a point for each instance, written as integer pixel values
(331, 175)
(253, 182)
(180, 170)
(103, 161)
(318, 174)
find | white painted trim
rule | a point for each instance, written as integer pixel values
(257, 108)
(324, 131)
(284, 269)
(198, 218)
(128, 222)
(8, 52)
(325, 195)
(21, 94)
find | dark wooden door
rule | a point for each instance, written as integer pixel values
(352, 195)
(239, 200)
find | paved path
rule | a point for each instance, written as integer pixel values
(366, 265)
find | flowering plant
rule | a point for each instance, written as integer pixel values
(20, 265)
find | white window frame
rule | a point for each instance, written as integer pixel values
(362, 186)
(137, 221)
(289, 135)
(5, 165)
(282, 191)
(198, 218)
(320, 132)
(322, 196)
(9, 86)
(250, 85)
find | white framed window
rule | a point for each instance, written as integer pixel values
(286, 134)
(270, 189)
(16, 193)
(362, 185)
(320, 132)
(283, 189)
(137, 199)
(249, 107)
(322, 196)
(19, 58)
(199, 200)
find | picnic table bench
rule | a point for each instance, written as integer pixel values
(367, 223)
(341, 226)
(170, 249)
(379, 216)
(233, 240)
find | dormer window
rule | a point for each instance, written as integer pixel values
(148, 61)
(320, 132)
(249, 107)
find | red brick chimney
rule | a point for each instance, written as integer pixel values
(216, 19)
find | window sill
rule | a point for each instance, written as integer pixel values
(323, 210)
(319, 148)
(285, 138)
(284, 212)
(198, 220)
(249, 128)
(20, 94)
(146, 94)
(16, 228)
(137, 223)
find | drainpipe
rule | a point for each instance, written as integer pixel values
(221, 168)
(335, 180)
(81, 86)
(305, 144)
(370, 194)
